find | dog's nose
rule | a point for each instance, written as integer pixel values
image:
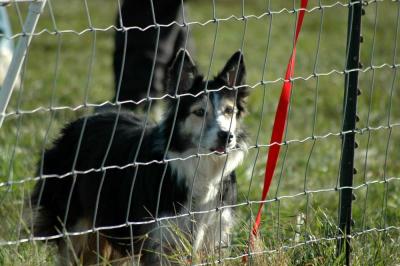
(225, 135)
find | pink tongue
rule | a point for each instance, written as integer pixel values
(220, 149)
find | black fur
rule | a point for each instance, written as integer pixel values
(117, 183)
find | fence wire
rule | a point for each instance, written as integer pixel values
(68, 73)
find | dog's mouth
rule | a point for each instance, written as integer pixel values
(220, 149)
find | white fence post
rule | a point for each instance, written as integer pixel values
(35, 9)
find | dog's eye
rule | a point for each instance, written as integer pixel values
(229, 110)
(199, 112)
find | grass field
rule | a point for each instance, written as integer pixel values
(68, 69)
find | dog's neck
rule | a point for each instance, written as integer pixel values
(202, 175)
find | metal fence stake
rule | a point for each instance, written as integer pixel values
(347, 169)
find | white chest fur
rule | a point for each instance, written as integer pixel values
(203, 176)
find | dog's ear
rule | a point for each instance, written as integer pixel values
(234, 72)
(182, 73)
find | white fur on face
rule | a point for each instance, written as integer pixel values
(220, 115)
(225, 121)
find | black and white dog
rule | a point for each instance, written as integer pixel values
(116, 170)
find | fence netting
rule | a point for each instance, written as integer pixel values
(68, 74)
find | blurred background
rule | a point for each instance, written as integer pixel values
(69, 64)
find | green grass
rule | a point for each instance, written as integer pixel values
(316, 110)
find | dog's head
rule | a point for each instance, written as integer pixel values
(207, 114)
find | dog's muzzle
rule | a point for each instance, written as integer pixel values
(224, 139)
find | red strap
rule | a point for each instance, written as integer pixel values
(279, 123)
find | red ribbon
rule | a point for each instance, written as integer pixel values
(279, 123)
